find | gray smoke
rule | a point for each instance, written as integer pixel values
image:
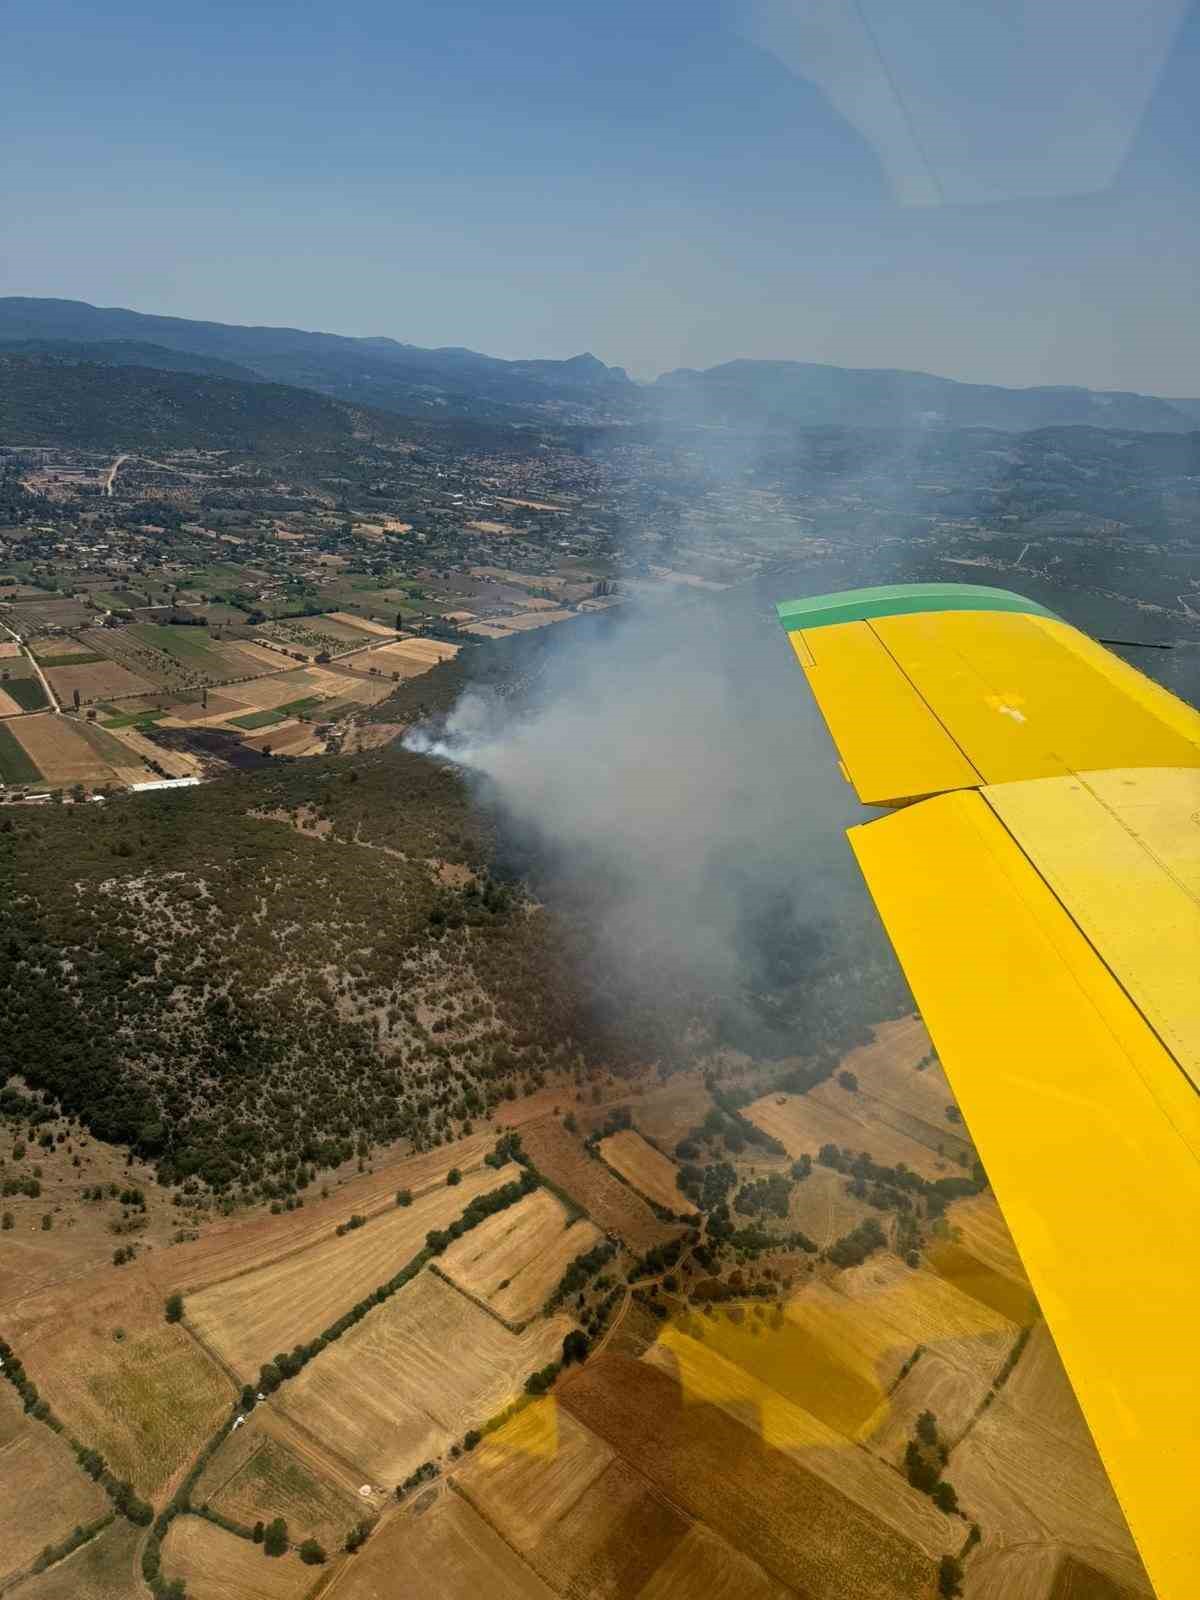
(666, 777)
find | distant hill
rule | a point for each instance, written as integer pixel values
(457, 383)
(803, 393)
(128, 353)
(51, 399)
(373, 371)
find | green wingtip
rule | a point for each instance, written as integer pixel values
(897, 599)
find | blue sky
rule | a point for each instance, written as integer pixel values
(1000, 190)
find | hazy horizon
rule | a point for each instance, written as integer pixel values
(994, 194)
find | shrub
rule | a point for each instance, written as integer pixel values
(311, 1553)
(174, 1308)
(275, 1539)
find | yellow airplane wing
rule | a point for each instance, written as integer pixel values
(1039, 877)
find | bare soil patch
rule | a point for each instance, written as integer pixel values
(99, 680)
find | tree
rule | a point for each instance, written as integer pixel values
(275, 1539)
(944, 1497)
(953, 1114)
(574, 1347)
(927, 1431)
(7, 1221)
(174, 1307)
(404, 1197)
(47, 1222)
(311, 1553)
(453, 1176)
(260, 1529)
(848, 1082)
(950, 1577)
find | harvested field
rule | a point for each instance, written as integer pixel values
(413, 1376)
(60, 752)
(360, 624)
(895, 1092)
(216, 1565)
(613, 1207)
(525, 620)
(788, 1520)
(641, 1165)
(612, 1540)
(1014, 1299)
(953, 1394)
(98, 680)
(51, 648)
(146, 1401)
(529, 1473)
(43, 1495)
(471, 1560)
(15, 763)
(803, 1124)
(175, 763)
(978, 1225)
(822, 1207)
(8, 649)
(689, 1353)
(514, 1259)
(1077, 1580)
(8, 706)
(1026, 1486)
(703, 1564)
(255, 1477)
(104, 1569)
(1040, 1389)
(231, 1249)
(288, 1302)
(667, 1114)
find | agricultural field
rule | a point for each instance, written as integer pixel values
(823, 1208)
(794, 1525)
(702, 1564)
(362, 624)
(255, 1477)
(900, 1086)
(8, 706)
(705, 1361)
(978, 1225)
(645, 1168)
(446, 1537)
(59, 751)
(32, 616)
(606, 1200)
(51, 650)
(216, 1565)
(251, 1316)
(514, 1260)
(250, 1244)
(528, 1474)
(146, 1399)
(803, 1124)
(15, 764)
(413, 1376)
(102, 1570)
(96, 678)
(43, 1494)
(612, 1540)
(25, 689)
(669, 1112)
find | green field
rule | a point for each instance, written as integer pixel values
(184, 644)
(15, 765)
(27, 692)
(259, 719)
(67, 661)
(133, 719)
(265, 719)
